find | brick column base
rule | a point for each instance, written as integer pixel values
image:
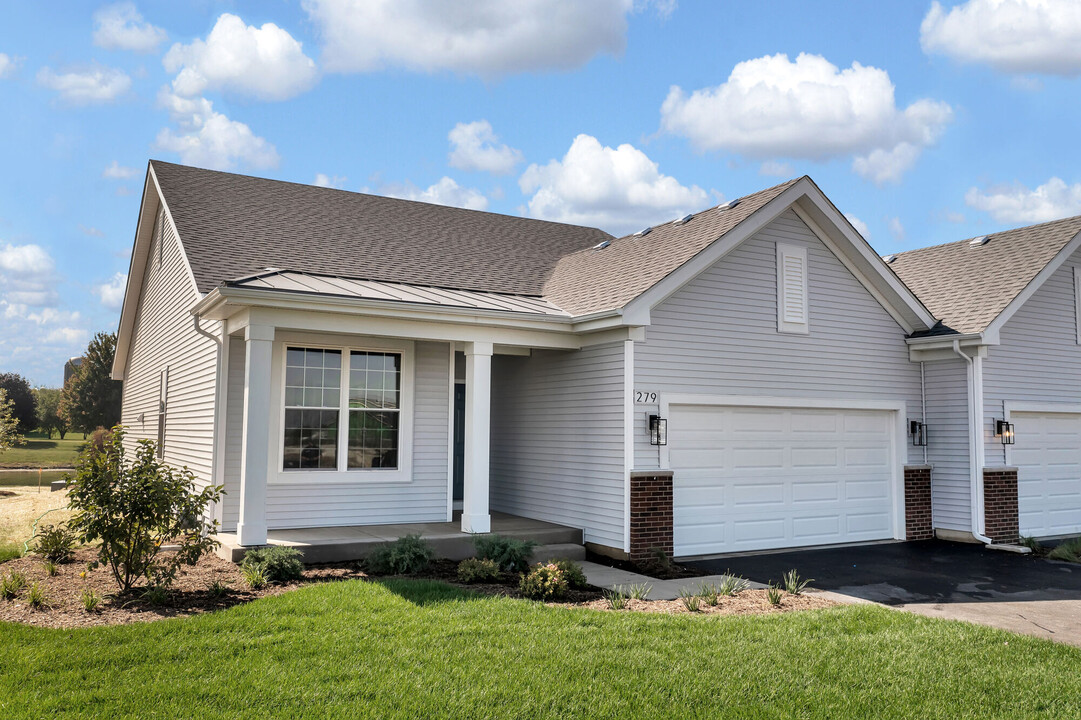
(1000, 505)
(918, 525)
(651, 513)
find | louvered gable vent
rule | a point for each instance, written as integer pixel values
(792, 289)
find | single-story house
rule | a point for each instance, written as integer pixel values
(748, 377)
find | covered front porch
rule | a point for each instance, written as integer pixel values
(339, 544)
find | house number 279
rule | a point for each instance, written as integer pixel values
(644, 396)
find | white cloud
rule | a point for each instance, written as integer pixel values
(618, 189)
(330, 181)
(111, 293)
(95, 85)
(1018, 204)
(116, 171)
(475, 146)
(8, 65)
(775, 168)
(27, 276)
(209, 139)
(444, 192)
(66, 336)
(955, 217)
(485, 37)
(25, 259)
(861, 226)
(91, 231)
(897, 229)
(1014, 36)
(261, 62)
(121, 27)
(771, 107)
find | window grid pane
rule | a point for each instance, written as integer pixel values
(312, 393)
(373, 439)
(374, 380)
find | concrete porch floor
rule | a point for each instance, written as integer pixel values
(353, 542)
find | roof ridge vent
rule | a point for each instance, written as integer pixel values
(683, 220)
(602, 244)
(981, 240)
(728, 205)
(889, 258)
(644, 232)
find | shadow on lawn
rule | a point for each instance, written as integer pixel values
(426, 592)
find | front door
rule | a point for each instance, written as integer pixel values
(459, 441)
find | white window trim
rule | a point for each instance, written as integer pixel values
(783, 325)
(362, 476)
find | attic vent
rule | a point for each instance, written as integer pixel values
(642, 233)
(683, 220)
(889, 258)
(981, 240)
(729, 205)
(602, 244)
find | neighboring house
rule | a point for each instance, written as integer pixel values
(748, 377)
(1009, 302)
(71, 367)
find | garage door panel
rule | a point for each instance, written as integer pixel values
(1047, 454)
(779, 477)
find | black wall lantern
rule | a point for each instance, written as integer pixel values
(918, 431)
(1004, 431)
(658, 430)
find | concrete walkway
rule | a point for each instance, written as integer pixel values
(610, 578)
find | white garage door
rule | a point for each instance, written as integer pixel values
(758, 478)
(1047, 453)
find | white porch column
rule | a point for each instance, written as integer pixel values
(478, 410)
(254, 462)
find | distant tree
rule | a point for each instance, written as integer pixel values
(22, 399)
(49, 420)
(9, 433)
(91, 398)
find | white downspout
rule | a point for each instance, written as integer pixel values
(923, 407)
(975, 441)
(216, 472)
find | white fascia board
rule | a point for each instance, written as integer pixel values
(1035, 284)
(144, 229)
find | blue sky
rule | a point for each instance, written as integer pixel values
(924, 122)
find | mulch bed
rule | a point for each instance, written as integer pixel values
(191, 593)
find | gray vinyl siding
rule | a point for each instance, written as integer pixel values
(234, 434)
(557, 440)
(718, 336)
(1038, 359)
(948, 443)
(164, 336)
(422, 499)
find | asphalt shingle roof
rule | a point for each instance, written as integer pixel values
(968, 286)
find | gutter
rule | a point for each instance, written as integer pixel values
(975, 440)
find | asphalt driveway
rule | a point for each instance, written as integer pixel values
(961, 581)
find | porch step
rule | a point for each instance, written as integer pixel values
(558, 551)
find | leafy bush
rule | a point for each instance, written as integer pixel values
(773, 594)
(510, 554)
(691, 601)
(709, 593)
(732, 585)
(36, 598)
(616, 597)
(254, 576)
(90, 599)
(639, 591)
(156, 595)
(544, 582)
(473, 570)
(572, 571)
(218, 588)
(12, 584)
(405, 556)
(794, 584)
(1068, 550)
(279, 564)
(55, 543)
(134, 506)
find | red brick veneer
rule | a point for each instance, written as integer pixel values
(651, 513)
(918, 524)
(1000, 505)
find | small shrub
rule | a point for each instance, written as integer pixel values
(639, 591)
(616, 597)
(253, 576)
(218, 588)
(732, 585)
(709, 593)
(1068, 550)
(280, 564)
(794, 584)
(405, 556)
(51, 568)
(156, 595)
(692, 602)
(36, 598)
(90, 599)
(12, 584)
(55, 543)
(572, 571)
(544, 582)
(773, 594)
(512, 555)
(1033, 544)
(473, 570)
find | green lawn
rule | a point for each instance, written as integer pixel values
(423, 649)
(41, 452)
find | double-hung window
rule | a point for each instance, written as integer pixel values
(342, 409)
